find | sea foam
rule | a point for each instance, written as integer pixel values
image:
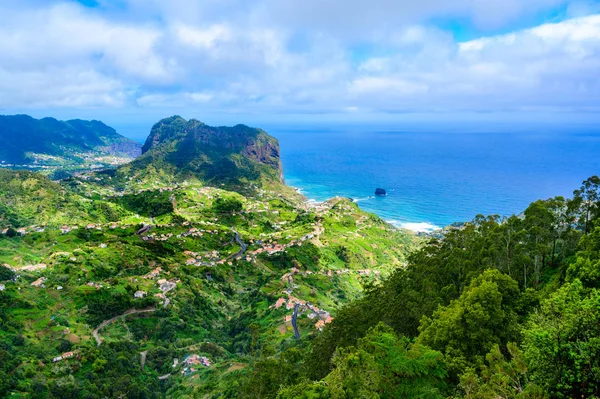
(420, 227)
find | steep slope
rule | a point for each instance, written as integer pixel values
(50, 144)
(215, 273)
(30, 199)
(236, 157)
(158, 273)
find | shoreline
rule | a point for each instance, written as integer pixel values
(417, 227)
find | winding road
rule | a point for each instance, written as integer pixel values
(243, 247)
(294, 317)
(105, 323)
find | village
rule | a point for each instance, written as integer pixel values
(241, 250)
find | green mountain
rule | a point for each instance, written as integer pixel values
(237, 157)
(49, 145)
(166, 279)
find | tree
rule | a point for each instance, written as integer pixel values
(382, 365)
(270, 373)
(305, 390)
(5, 273)
(11, 232)
(586, 201)
(501, 377)
(483, 316)
(508, 236)
(539, 223)
(562, 343)
(227, 205)
(587, 262)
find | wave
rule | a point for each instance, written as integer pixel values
(417, 227)
(362, 199)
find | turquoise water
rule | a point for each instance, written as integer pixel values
(437, 178)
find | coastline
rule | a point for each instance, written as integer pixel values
(417, 227)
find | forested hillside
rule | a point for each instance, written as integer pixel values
(61, 148)
(166, 278)
(237, 157)
(498, 308)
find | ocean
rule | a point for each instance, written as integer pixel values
(435, 177)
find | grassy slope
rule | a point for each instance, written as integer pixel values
(28, 198)
(212, 314)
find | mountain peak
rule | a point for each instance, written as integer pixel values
(234, 156)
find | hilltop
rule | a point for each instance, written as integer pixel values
(235, 157)
(50, 145)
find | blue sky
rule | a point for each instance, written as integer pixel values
(131, 62)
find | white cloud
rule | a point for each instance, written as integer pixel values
(275, 56)
(206, 38)
(71, 87)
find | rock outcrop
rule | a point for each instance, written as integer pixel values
(231, 156)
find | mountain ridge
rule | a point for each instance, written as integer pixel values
(236, 156)
(66, 146)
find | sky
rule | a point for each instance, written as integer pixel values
(132, 62)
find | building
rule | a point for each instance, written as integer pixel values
(154, 273)
(139, 294)
(194, 360)
(280, 302)
(2, 287)
(39, 282)
(64, 356)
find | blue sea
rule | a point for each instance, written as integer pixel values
(436, 177)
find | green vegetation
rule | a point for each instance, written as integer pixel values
(178, 287)
(234, 157)
(167, 279)
(30, 199)
(510, 305)
(61, 148)
(382, 365)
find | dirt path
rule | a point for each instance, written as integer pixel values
(112, 320)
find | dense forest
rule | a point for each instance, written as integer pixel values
(498, 308)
